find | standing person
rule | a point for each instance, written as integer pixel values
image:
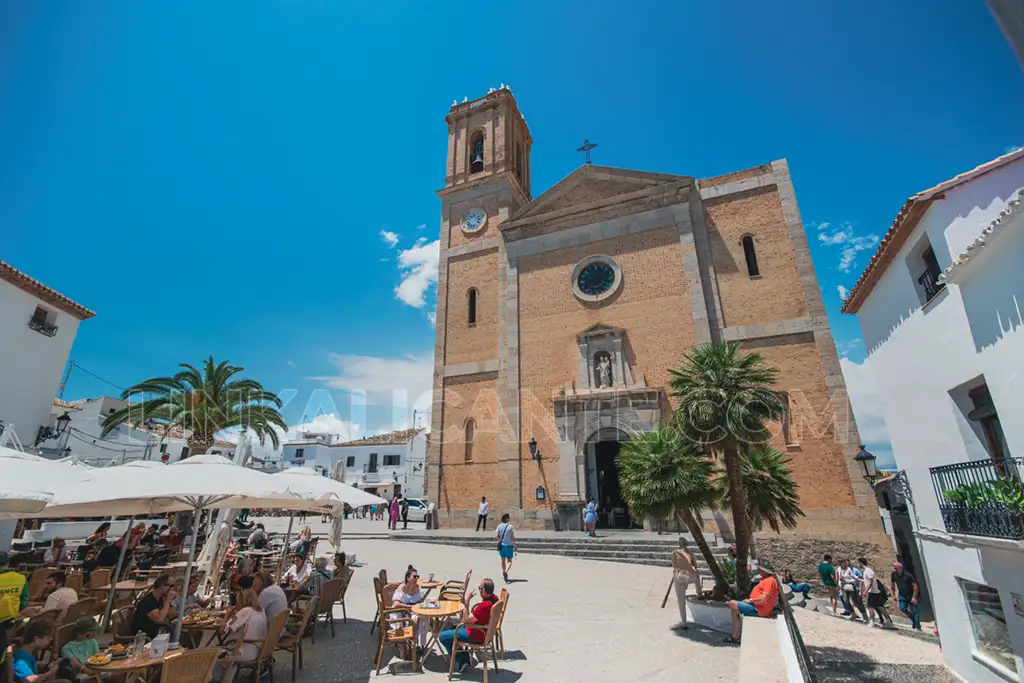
(481, 514)
(873, 590)
(828, 579)
(13, 599)
(481, 614)
(850, 580)
(393, 512)
(590, 517)
(905, 588)
(405, 513)
(684, 571)
(506, 544)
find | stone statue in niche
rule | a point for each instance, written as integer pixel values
(604, 372)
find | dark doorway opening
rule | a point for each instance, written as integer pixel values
(612, 512)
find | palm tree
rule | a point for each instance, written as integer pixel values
(772, 498)
(202, 403)
(725, 400)
(662, 477)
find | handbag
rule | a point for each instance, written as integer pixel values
(504, 533)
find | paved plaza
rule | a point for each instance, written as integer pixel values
(567, 619)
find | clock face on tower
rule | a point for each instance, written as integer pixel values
(474, 221)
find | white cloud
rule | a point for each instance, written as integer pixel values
(390, 238)
(384, 379)
(843, 292)
(325, 424)
(866, 402)
(432, 317)
(844, 349)
(850, 244)
(418, 267)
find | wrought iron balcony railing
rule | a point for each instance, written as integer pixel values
(930, 281)
(982, 498)
(42, 327)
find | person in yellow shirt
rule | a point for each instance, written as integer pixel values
(13, 599)
(761, 603)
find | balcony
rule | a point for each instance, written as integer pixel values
(929, 280)
(371, 477)
(982, 498)
(42, 327)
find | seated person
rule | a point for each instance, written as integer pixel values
(315, 582)
(340, 562)
(80, 649)
(480, 614)
(272, 598)
(259, 537)
(151, 537)
(57, 552)
(58, 595)
(251, 617)
(298, 572)
(761, 603)
(37, 638)
(787, 578)
(191, 600)
(408, 593)
(155, 609)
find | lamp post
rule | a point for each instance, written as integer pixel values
(534, 453)
(867, 463)
(46, 432)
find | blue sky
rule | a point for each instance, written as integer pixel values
(216, 177)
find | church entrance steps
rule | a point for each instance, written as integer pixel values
(626, 547)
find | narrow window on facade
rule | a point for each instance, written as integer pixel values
(471, 306)
(751, 256)
(985, 415)
(299, 452)
(350, 461)
(476, 154)
(470, 428)
(184, 453)
(988, 623)
(787, 420)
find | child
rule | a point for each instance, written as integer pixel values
(80, 649)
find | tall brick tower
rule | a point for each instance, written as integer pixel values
(559, 318)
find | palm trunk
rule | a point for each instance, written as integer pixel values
(740, 522)
(199, 443)
(698, 537)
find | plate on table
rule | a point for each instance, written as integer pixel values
(99, 659)
(117, 651)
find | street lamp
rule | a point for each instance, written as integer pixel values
(45, 432)
(867, 463)
(534, 453)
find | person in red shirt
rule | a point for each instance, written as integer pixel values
(480, 614)
(761, 603)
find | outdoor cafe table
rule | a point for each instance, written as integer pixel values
(134, 668)
(438, 616)
(128, 586)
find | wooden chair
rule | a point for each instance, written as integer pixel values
(99, 578)
(193, 666)
(499, 639)
(74, 582)
(325, 604)
(484, 648)
(228, 655)
(456, 590)
(383, 576)
(347, 581)
(121, 624)
(396, 625)
(265, 658)
(293, 643)
(83, 608)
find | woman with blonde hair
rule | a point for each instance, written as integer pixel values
(249, 622)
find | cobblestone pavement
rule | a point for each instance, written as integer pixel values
(567, 620)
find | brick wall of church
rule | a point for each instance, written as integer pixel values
(489, 203)
(775, 294)
(653, 307)
(465, 344)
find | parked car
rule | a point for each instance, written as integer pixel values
(418, 509)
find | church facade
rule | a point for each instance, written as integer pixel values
(559, 317)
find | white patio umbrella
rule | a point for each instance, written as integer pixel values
(23, 501)
(34, 481)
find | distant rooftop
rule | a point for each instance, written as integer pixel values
(399, 437)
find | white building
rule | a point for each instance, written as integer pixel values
(384, 465)
(940, 307)
(37, 328)
(82, 440)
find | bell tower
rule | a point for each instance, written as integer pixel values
(488, 137)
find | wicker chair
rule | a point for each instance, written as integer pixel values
(267, 645)
(83, 608)
(64, 635)
(99, 578)
(499, 639)
(396, 624)
(194, 666)
(487, 647)
(121, 624)
(37, 582)
(75, 582)
(293, 643)
(325, 604)
(383, 576)
(456, 590)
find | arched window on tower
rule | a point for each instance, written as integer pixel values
(519, 163)
(470, 429)
(471, 306)
(476, 153)
(751, 255)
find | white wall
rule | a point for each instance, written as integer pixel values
(31, 363)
